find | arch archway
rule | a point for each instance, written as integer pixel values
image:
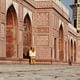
(27, 36)
(68, 50)
(66, 54)
(74, 51)
(11, 29)
(71, 50)
(61, 44)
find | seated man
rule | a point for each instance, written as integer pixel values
(32, 54)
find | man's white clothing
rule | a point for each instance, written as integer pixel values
(32, 53)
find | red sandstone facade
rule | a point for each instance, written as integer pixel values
(44, 25)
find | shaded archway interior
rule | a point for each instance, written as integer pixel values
(11, 37)
(61, 44)
(55, 47)
(27, 36)
(74, 51)
(71, 51)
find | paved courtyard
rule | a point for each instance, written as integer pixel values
(39, 72)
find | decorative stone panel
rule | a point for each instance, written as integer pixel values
(43, 18)
(3, 19)
(20, 12)
(42, 30)
(2, 31)
(3, 6)
(42, 40)
(43, 53)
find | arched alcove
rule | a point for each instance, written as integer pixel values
(27, 36)
(61, 44)
(11, 30)
(74, 51)
(68, 50)
(71, 50)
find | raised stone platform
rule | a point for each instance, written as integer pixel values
(13, 61)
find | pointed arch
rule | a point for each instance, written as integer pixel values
(10, 13)
(27, 20)
(61, 43)
(27, 36)
(9, 3)
(11, 29)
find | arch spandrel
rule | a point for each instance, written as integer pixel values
(11, 2)
(27, 11)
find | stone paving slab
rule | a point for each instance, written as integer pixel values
(39, 72)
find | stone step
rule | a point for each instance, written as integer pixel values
(13, 61)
